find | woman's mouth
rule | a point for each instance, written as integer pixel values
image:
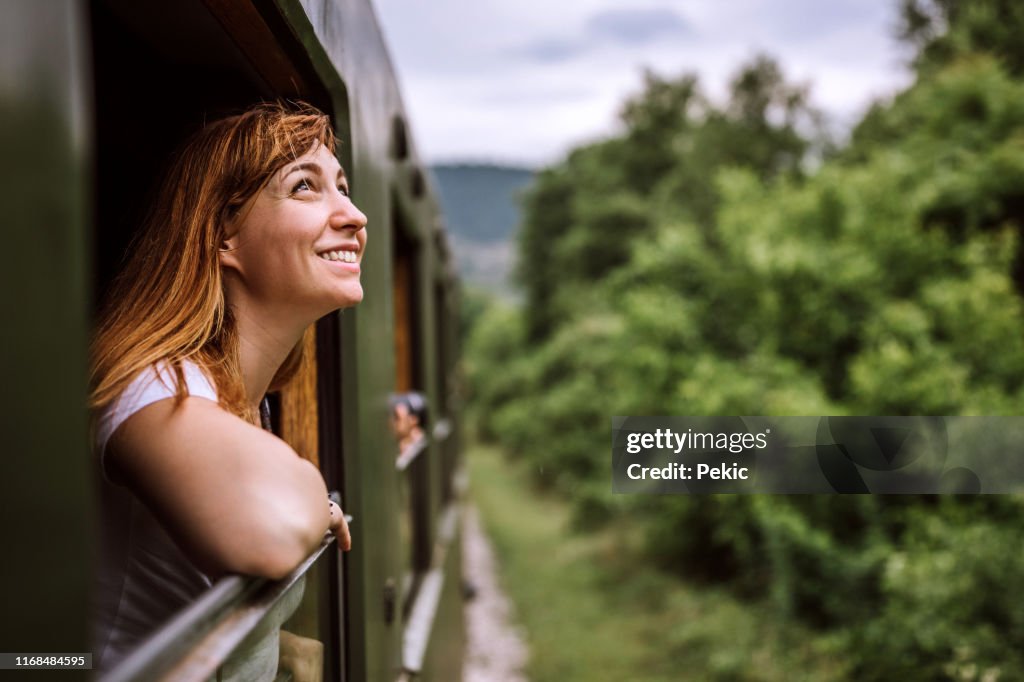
(340, 256)
(341, 259)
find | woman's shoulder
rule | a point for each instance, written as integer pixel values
(160, 381)
(152, 384)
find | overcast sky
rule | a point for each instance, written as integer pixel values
(523, 81)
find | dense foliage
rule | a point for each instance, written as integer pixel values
(723, 259)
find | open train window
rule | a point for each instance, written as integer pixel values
(406, 308)
(160, 71)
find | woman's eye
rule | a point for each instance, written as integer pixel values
(301, 185)
(343, 189)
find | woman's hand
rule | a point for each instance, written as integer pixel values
(340, 527)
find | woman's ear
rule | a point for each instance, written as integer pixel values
(229, 240)
(227, 248)
(234, 218)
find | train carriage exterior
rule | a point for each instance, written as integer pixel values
(94, 97)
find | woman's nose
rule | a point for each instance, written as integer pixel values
(347, 215)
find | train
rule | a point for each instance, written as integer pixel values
(95, 94)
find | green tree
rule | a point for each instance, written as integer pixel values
(941, 31)
(583, 216)
(696, 265)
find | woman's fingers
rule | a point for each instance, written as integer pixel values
(340, 527)
(344, 537)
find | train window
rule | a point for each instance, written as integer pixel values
(417, 183)
(406, 341)
(160, 70)
(399, 139)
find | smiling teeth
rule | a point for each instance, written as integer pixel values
(343, 256)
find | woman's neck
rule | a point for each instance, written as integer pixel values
(264, 343)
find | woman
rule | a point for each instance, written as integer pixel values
(252, 238)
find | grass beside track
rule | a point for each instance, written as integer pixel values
(594, 612)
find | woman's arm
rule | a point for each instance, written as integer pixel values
(236, 498)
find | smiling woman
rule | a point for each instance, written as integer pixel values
(240, 255)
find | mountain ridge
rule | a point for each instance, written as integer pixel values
(482, 208)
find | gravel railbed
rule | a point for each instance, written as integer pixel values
(496, 649)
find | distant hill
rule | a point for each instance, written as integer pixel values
(480, 201)
(482, 211)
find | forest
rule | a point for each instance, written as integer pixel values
(732, 258)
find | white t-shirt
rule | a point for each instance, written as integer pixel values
(144, 579)
(148, 388)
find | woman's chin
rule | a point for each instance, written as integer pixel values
(352, 296)
(348, 297)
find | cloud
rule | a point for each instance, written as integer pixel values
(792, 20)
(545, 96)
(525, 81)
(636, 26)
(553, 50)
(629, 28)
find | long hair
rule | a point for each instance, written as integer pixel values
(168, 303)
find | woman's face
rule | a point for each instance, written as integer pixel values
(298, 244)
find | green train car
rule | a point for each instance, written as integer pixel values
(94, 96)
